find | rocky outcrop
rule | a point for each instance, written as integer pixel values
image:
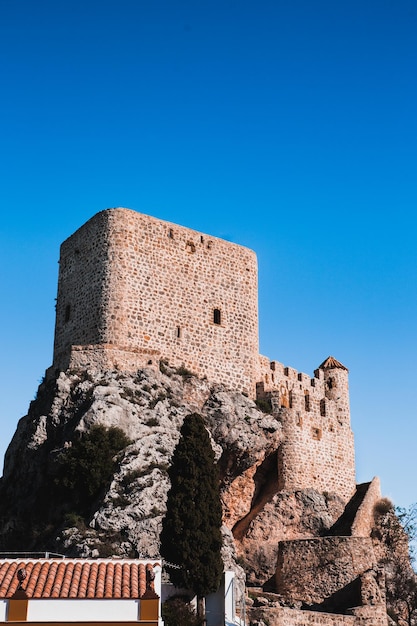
(150, 408)
(125, 517)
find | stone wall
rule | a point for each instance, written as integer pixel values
(105, 356)
(364, 520)
(318, 447)
(324, 567)
(282, 616)
(140, 284)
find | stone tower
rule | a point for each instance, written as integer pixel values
(318, 447)
(133, 290)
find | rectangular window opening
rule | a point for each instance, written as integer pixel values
(317, 434)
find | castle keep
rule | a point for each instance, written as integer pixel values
(134, 290)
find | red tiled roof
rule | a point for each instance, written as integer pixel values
(75, 578)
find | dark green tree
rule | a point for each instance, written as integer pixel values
(191, 537)
(177, 611)
(86, 468)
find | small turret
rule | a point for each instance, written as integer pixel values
(317, 449)
(336, 385)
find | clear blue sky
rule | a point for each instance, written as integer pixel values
(289, 127)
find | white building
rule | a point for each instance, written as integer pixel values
(81, 591)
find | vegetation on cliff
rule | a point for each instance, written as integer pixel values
(53, 496)
(86, 468)
(177, 610)
(396, 532)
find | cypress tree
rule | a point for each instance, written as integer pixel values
(191, 537)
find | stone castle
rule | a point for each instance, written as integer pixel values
(133, 290)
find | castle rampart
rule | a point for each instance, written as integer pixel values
(314, 579)
(318, 447)
(283, 616)
(365, 517)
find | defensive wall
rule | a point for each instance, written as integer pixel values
(283, 616)
(318, 447)
(335, 573)
(325, 566)
(364, 520)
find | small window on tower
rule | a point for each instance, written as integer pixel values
(178, 332)
(217, 316)
(67, 313)
(317, 433)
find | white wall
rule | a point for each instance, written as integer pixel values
(55, 610)
(220, 606)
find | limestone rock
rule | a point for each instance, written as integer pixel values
(126, 518)
(150, 407)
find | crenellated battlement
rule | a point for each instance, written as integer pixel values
(318, 448)
(327, 393)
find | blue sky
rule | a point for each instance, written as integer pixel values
(289, 127)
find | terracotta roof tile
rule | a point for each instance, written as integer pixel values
(7, 574)
(50, 578)
(66, 580)
(33, 575)
(125, 581)
(92, 579)
(108, 581)
(78, 588)
(117, 588)
(142, 580)
(75, 578)
(101, 577)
